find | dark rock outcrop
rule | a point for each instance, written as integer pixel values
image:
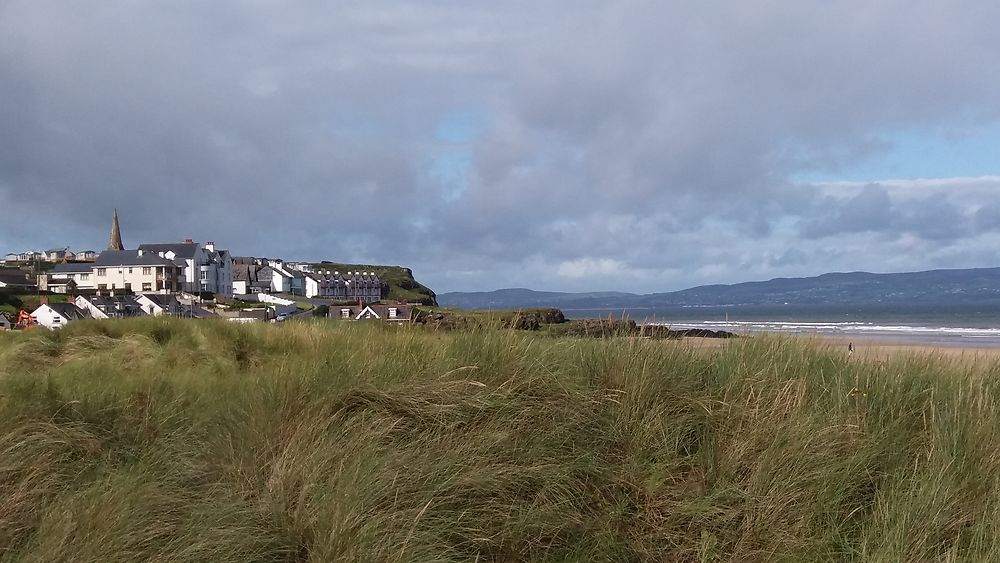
(555, 323)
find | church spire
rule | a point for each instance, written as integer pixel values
(115, 242)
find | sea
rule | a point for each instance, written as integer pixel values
(964, 326)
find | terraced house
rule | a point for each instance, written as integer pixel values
(350, 286)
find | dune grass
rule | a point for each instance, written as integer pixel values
(179, 440)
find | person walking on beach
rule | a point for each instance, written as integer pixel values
(850, 347)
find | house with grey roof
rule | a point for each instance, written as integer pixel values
(14, 278)
(204, 268)
(347, 286)
(159, 304)
(251, 278)
(110, 307)
(132, 271)
(58, 315)
(59, 254)
(68, 277)
(392, 312)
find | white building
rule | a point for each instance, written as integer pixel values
(131, 271)
(275, 277)
(59, 278)
(281, 278)
(57, 315)
(350, 286)
(158, 304)
(203, 268)
(5, 323)
(57, 254)
(117, 307)
(30, 256)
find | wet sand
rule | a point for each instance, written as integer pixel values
(877, 349)
(888, 348)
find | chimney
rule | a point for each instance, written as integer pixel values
(210, 246)
(188, 241)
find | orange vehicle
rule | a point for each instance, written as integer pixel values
(25, 320)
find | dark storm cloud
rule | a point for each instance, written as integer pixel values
(619, 145)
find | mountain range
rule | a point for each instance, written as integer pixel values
(933, 287)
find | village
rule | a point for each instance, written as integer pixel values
(184, 279)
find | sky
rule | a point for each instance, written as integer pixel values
(624, 145)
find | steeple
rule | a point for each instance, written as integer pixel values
(115, 242)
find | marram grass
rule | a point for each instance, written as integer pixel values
(173, 440)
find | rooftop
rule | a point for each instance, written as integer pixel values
(180, 249)
(68, 310)
(130, 258)
(72, 268)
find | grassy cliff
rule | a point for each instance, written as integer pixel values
(402, 285)
(12, 302)
(174, 440)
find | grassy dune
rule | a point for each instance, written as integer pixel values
(172, 440)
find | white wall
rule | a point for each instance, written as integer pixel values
(264, 298)
(48, 318)
(120, 277)
(312, 287)
(280, 283)
(86, 305)
(83, 280)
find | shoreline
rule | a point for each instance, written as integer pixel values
(869, 348)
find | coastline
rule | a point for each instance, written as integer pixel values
(871, 348)
(954, 334)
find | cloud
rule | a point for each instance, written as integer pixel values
(499, 144)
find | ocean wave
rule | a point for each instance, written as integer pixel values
(847, 328)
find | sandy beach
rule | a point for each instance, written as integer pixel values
(876, 348)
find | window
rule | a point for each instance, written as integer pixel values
(102, 286)
(147, 286)
(102, 272)
(128, 287)
(130, 270)
(392, 312)
(84, 277)
(147, 271)
(345, 313)
(204, 274)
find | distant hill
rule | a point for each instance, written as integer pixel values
(937, 287)
(520, 297)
